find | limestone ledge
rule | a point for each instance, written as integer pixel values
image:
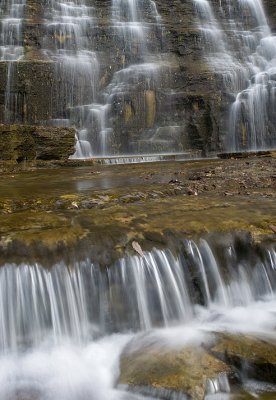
(98, 210)
(24, 142)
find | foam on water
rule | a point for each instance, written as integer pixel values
(67, 372)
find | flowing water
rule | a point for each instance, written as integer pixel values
(241, 48)
(67, 24)
(115, 93)
(11, 48)
(63, 329)
(100, 114)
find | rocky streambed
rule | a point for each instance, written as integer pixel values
(56, 214)
(50, 209)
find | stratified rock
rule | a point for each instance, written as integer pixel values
(21, 142)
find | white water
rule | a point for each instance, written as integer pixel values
(68, 24)
(97, 113)
(241, 48)
(140, 68)
(56, 335)
(11, 48)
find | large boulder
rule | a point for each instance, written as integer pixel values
(22, 142)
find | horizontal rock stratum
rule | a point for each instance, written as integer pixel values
(24, 142)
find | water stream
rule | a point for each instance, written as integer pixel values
(11, 49)
(63, 329)
(68, 23)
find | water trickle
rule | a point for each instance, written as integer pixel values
(11, 50)
(241, 48)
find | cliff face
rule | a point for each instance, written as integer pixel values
(185, 109)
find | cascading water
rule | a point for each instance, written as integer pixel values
(102, 114)
(76, 64)
(52, 320)
(11, 48)
(241, 48)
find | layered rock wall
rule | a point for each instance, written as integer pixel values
(189, 98)
(23, 142)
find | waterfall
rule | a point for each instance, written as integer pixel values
(101, 99)
(84, 301)
(241, 48)
(11, 49)
(76, 64)
(139, 72)
(62, 329)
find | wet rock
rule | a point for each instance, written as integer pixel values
(21, 142)
(185, 371)
(192, 192)
(192, 369)
(249, 355)
(87, 204)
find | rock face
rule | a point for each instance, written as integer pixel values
(23, 142)
(186, 109)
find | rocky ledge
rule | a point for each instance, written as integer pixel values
(23, 142)
(47, 214)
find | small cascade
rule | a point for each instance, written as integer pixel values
(11, 50)
(138, 79)
(103, 100)
(137, 293)
(63, 329)
(67, 44)
(242, 50)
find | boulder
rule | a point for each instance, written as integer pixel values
(191, 370)
(157, 370)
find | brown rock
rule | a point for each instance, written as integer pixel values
(22, 142)
(186, 370)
